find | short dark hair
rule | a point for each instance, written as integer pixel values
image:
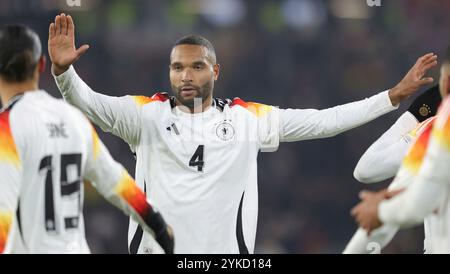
(20, 51)
(199, 41)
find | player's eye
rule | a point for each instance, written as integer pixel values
(177, 68)
(198, 67)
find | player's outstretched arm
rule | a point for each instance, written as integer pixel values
(304, 124)
(116, 185)
(383, 158)
(119, 115)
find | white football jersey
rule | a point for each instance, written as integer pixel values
(410, 168)
(200, 170)
(382, 164)
(47, 149)
(427, 196)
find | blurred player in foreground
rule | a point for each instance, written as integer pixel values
(383, 159)
(47, 149)
(197, 155)
(426, 175)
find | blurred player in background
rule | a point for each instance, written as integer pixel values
(47, 149)
(197, 155)
(425, 174)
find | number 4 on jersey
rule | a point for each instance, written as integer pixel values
(197, 158)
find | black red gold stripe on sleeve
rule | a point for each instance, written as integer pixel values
(257, 109)
(130, 192)
(8, 150)
(143, 100)
(6, 219)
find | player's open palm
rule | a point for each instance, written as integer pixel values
(415, 78)
(61, 44)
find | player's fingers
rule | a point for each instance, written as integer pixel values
(82, 50)
(429, 65)
(426, 81)
(364, 194)
(428, 55)
(422, 59)
(426, 61)
(354, 211)
(51, 31)
(393, 193)
(70, 26)
(63, 24)
(58, 25)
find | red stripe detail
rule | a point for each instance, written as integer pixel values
(133, 195)
(160, 97)
(239, 102)
(8, 149)
(4, 121)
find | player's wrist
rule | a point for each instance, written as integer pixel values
(396, 96)
(58, 70)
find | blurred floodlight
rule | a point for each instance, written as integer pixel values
(219, 12)
(351, 9)
(304, 14)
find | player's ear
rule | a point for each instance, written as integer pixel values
(447, 84)
(216, 71)
(41, 64)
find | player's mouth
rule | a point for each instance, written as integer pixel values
(188, 91)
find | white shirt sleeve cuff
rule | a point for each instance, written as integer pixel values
(68, 74)
(388, 100)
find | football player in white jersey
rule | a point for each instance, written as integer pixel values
(196, 155)
(425, 174)
(383, 159)
(47, 149)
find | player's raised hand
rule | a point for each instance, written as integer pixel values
(61, 44)
(414, 79)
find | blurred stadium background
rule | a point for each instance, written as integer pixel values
(288, 53)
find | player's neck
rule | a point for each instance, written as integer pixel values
(9, 90)
(197, 108)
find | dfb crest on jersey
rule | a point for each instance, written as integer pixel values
(225, 131)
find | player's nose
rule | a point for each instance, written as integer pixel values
(186, 76)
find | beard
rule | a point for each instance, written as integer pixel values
(201, 93)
